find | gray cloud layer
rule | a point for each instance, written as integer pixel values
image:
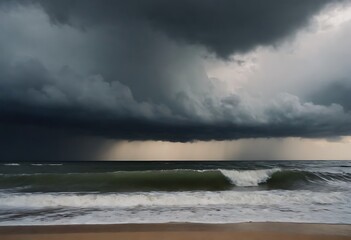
(222, 26)
(134, 70)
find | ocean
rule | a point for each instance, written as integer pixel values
(160, 192)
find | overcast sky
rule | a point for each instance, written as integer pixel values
(186, 79)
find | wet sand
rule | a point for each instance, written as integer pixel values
(175, 231)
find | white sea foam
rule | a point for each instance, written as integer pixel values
(158, 207)
(248, 178)
(176, 199)
(11, 164)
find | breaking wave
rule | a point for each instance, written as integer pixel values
(249, 178)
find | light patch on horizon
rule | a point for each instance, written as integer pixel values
(244, 149)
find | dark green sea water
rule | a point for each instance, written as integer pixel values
(115, 192)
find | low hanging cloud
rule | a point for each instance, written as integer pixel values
(222, 26)
(131, 70)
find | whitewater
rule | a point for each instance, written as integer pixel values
(151, 192)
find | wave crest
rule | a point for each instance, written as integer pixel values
(249, 178)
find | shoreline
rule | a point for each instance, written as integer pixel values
(174, 231)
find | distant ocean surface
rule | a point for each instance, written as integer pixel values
(158, 192)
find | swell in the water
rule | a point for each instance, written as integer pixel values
(167, 180)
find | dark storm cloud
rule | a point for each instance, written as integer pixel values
(40, 143)
(131, 70)
(289, 119)
(224, 26)
(335, 92)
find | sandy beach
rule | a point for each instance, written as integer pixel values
(246, 231)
